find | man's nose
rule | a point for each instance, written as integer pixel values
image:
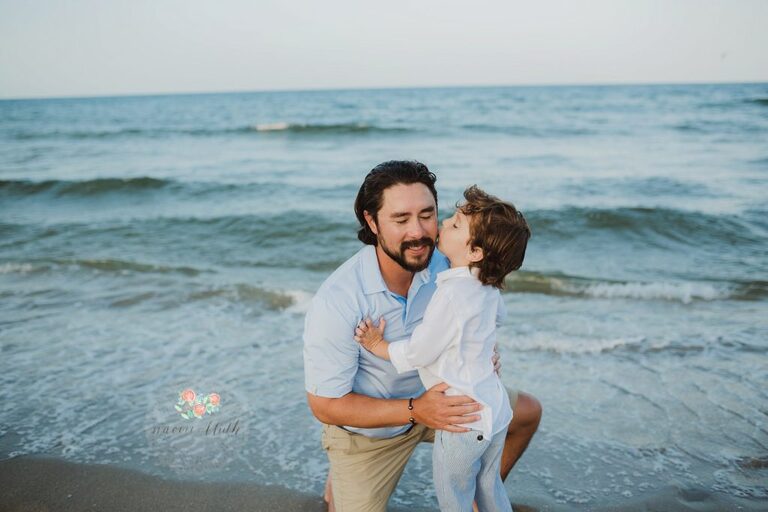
(416, 229)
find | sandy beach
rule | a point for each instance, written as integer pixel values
(35, 484)
(43, 484)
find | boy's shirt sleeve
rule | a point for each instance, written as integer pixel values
(501, 312)
(331, 355)
(437, 331)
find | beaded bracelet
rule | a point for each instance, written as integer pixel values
(410, 408)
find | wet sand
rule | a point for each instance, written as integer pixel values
(33, 484)
(43, 484)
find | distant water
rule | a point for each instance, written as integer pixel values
(148, 244)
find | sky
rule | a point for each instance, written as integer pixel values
(53, 48)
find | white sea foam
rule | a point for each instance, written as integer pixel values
(271, 127)
(301, 300)
(547, 342)
(683, 292)
(10, 268)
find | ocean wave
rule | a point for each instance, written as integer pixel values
(146, 184)
(259, 128)
(338, 128)
(16, 268)
(527, 131)
(235, 293)
(106, 265)
(717, 127)
(561, 344)
(684, 292)
(81, 188)
(690, 228)
(274, 300)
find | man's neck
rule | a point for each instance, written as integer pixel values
(397, 279)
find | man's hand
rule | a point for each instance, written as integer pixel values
(437, 410)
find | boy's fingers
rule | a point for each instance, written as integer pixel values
(382, 323)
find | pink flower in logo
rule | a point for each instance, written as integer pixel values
(191, 405)
(188, 395)
(199, 410)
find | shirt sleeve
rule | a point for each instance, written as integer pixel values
(501, 312)
(331, 355)
(437, 331)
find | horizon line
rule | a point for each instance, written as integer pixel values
(373, 88)
(379, 88)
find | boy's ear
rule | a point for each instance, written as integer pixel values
(371, 222)
(475, 254)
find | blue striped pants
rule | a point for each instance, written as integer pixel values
(465, 466)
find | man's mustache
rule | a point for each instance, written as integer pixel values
(414, 244)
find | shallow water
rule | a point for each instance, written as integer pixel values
(150, 244)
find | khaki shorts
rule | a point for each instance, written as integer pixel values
(365, 470)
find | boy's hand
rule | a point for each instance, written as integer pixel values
(372, 337)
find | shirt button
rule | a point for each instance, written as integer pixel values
(480, 437)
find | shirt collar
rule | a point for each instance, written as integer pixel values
(373, 282)
(457, 272)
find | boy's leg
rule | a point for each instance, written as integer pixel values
(455, 465)
(491, 494)
(364, 471)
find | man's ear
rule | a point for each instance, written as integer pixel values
(475, 254)
(371, 222)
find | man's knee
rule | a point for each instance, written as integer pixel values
(527, 412)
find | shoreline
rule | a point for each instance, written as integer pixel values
(38, 483)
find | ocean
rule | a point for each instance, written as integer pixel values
(153, 244)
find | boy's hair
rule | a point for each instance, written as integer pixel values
(500, 230)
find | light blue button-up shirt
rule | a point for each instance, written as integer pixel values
(334, 363)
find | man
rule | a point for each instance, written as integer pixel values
(374, 417)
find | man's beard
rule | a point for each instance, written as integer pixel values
(400, 257)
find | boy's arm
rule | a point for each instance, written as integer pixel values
(437, 331)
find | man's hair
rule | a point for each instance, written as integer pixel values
(371, 194)
(500, 230)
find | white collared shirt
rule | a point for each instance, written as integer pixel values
(454, 344)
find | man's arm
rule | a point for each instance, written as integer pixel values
(330, 364)
(434, 409)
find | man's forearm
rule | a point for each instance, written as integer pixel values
(362, 411)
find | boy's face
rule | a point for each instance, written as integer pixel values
(454, 239)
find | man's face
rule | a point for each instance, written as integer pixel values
(406, 225)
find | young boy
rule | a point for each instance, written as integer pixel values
(484, 240)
